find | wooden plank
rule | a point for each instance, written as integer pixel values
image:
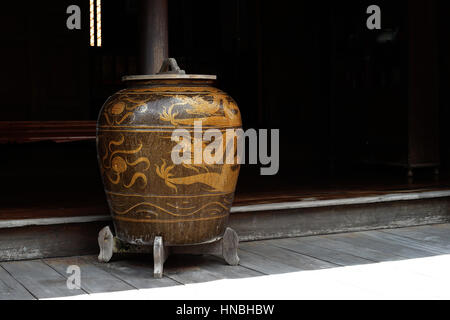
(336, 257)
(263, 264)
(39, 279)
(194, 269)
(227, 271)
(376, 241)
(440, 231)
(333, 242)
(430, 243)
(419, 247)
(93, 279)
(10, 289)
(136, 272)
(287, 257)
(435, 242)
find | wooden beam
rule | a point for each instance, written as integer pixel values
(154, 37)
(268, 207)
(37, 131)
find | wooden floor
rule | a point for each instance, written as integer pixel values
(47, 278)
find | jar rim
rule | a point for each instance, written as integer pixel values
(168, 77)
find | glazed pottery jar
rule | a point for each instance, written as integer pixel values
(148, 195)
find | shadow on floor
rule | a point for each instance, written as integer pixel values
(50, 278)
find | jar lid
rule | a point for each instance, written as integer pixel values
(169, 70)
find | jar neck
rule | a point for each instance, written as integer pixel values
(169, 82)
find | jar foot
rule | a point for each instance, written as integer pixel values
(106, 244)
(226, 247)
(160, 255)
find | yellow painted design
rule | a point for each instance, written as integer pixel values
(116, 143)
(125, 117)
(149, 204)
(140, 160)
(218, 182)
(118, 108)
(168, 221)
(108, 120)
(116, 180)
(213, 107)
(128, 151)
(179, 208)
(156, 130)
(220, 112)
(103, 165)
(123, 103)
(135, 103)
(164, 196)
(223, 181)
(136, 176)
(164, 173)
(117, 165)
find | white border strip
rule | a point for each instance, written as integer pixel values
(342, 202)
(5, 224)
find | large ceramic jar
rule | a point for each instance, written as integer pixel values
(149, 195)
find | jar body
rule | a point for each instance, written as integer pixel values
(147, 193)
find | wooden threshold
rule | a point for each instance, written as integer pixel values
(341, 202)
(266, 207)
(59, 235)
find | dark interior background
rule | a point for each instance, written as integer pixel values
(346, 102)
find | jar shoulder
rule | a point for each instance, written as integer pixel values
(170, 106)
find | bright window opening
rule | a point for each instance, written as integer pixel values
(95, 23)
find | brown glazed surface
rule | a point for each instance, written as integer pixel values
(147, 194)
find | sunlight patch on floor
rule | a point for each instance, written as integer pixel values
(424, 278)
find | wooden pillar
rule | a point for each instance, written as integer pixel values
(154, 35)
(423, 83)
